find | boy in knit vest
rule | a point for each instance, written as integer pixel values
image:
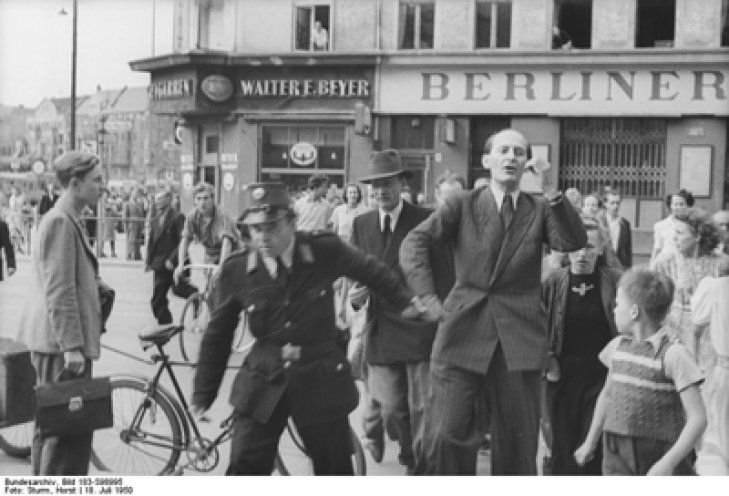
(650, 412)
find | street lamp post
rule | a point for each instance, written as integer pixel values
(72, 140)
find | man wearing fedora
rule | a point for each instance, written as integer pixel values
(397, 350)
(296, 368)
(491, 343)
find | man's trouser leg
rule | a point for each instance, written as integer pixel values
(452, 436)
(329, 446)
(372, 424)
(513, 398)
(389, 385)
(253, 445)
(418, 374)
(59, 455)
(162, 282)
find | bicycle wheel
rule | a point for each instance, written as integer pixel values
(291, 458)
(194, 319)
(152, 446)
(16, 439)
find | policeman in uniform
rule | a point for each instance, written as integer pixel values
(296, 368)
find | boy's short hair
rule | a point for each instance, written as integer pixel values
(317, 180)
(650, 290)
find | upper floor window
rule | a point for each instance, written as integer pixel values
(725, 23)
(655, 23)
(313, 27)
(416, 24)
(493, 24)
(211, 32)
(572, 26)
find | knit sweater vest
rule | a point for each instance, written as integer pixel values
(641, 400)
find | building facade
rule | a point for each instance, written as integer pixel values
(630, 94)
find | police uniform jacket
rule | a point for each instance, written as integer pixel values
(318, 386)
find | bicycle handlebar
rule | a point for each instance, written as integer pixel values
(200, 266)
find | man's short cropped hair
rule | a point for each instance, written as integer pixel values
(318, 180)
(450, 177)
(650, 290)
(74, 164)
(203, 188)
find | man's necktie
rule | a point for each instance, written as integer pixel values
(507, 211)
(281, 272)
(386, 230)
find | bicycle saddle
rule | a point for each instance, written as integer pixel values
(159, 334)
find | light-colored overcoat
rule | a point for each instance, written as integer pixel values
(62, 311)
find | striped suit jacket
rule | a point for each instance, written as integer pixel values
(497, 295)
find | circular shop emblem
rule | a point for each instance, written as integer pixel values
(303, 153)
(39, 167)
(216, 87)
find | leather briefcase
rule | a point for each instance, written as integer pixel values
(78, 406)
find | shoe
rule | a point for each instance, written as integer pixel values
(376, 448)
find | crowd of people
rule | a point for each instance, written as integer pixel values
(496, 312)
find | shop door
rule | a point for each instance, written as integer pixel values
(208, 169)
(622, 153)
(421, 167)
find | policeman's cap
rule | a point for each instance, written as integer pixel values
(265, 203)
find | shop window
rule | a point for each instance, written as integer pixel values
(313, 27)
(303, 148)
(572, 27)
(655, 23)
(725, 23)
(416, 25)
(493, 24)
(628, 154)
(413, 132)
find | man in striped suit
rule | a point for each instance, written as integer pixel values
(492, 340)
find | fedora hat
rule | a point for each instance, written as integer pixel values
(384, 164)
(265, 203)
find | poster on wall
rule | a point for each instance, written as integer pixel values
(695, 169)
(187, 180)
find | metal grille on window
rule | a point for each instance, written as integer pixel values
(628, 154)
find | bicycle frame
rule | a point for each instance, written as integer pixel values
(133, 432)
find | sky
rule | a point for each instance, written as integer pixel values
(36, 42)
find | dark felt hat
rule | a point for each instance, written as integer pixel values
(265, 202)
(384, 164)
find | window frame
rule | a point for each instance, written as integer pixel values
(493, 38)
(311, 5)
(417, 22)
(318, 126)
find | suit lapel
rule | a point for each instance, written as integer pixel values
(512, 239)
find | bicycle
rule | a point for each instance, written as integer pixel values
(196, 315)
(153, 427)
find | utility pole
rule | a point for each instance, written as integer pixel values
(73, 79)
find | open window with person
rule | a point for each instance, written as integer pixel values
(416, 25)
(313, 27)
(572, 27)
(493, 23)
